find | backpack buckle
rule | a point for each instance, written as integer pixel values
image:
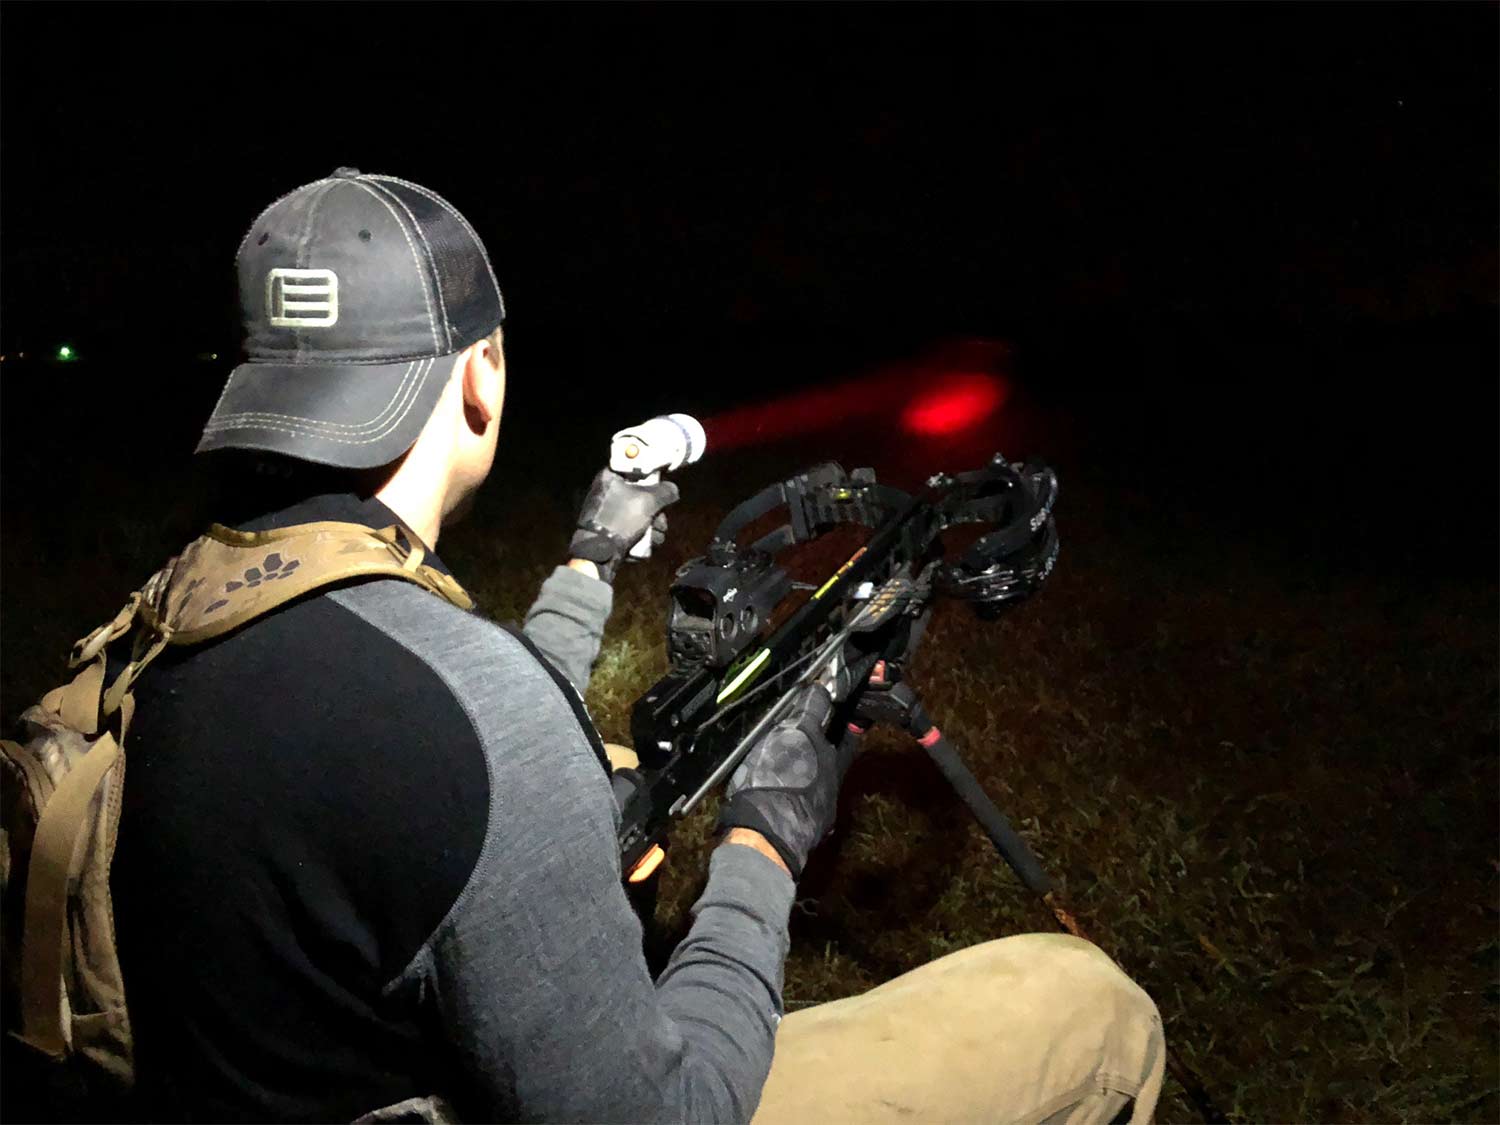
(97, 641)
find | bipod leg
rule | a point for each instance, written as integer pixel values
(1023, 861)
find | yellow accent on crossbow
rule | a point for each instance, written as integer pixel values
(839, 573)
(746, 674)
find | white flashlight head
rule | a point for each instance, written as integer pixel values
(666, 442)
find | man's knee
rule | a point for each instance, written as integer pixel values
(1060, 955)
(1095, 1019)
(1071, 975)
(1038, 1024)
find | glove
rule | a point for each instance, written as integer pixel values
(882, 701)
(787, 788)
(616, 513)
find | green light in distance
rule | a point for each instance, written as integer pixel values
(65, 352)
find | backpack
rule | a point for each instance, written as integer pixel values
(61, 782)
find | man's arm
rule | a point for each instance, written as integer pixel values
(538, 971)
(566, 622)
(535, 976)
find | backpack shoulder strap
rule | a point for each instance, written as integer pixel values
(227, 578)
(221, 581)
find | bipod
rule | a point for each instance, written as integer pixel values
(896, 704)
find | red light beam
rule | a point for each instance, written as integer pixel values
(957, 403)
(952, 389)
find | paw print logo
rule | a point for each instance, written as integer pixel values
(271, 568)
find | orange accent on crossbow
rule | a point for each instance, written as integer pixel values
(839, 573)
(647, 864)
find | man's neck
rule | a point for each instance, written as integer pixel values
(421, 509)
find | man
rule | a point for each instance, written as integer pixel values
(368, 855)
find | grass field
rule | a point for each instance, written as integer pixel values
(1266, 783)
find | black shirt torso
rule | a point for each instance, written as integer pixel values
(304, 802)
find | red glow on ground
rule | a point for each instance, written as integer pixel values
(957, 403)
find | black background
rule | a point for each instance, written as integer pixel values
(1248, 252)
(1242, 259)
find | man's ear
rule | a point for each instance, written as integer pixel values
(483, 384)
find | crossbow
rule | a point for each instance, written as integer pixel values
(741, 649)
(741, 646)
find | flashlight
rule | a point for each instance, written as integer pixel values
(642, 453)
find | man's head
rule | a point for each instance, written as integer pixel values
(371, 317)
(435, 479)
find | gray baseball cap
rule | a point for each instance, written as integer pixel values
(356, 292)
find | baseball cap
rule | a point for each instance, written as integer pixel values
(356, 292)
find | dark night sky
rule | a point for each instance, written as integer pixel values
(1219, 215)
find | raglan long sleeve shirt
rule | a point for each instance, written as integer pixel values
(368, 854)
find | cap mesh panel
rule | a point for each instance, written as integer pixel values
(459, 261)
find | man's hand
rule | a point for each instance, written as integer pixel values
(615, 515)
(787, 787)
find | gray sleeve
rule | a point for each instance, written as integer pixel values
(567, 622)
(536, 976)
(541, 979)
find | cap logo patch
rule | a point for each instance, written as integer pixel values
(302, 298)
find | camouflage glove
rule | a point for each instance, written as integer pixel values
(787, 788)
(616, 513)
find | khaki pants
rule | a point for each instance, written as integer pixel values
(1032, 1028)
(1037, 1028)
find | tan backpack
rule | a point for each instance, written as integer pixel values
(60, 786)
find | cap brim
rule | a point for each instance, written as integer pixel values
(352, 416)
